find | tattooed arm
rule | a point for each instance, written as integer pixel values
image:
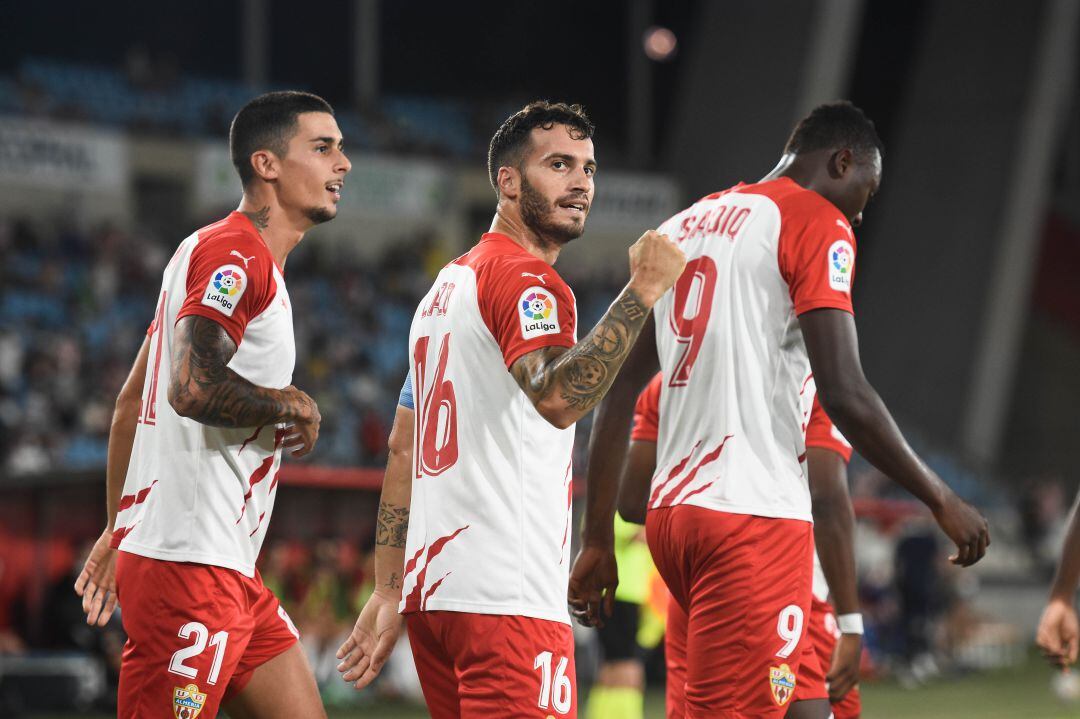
(565, 384)
(377, 628)
(203, 388)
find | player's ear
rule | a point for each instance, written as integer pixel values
(509, 182)
(266, 165)
(841, 162)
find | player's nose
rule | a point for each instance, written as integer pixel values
(580, 181)
(343, 165)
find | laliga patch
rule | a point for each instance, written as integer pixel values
(841, 265)
(538, 311)
(225, 288)
(187, 702)
(781, 684)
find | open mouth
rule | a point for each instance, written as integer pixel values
(334, 188)
(575, 207)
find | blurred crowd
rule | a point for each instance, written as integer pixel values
(147, 93)
(75, 304)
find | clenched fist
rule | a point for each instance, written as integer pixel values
(966, 527)
(655, 265)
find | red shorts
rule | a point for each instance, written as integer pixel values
(490, 666)
(196, 633)
(822, 634)
(743, 585)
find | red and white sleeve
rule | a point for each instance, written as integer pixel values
(526, 306)
(823, 434)
(221, 288)
(647, 412)
(817, 259)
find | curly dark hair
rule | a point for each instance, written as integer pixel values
(836, 126)
(512, 138)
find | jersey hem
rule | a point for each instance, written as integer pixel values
(212, 315)
(823, 304)
(515, 356)
(435, 605)
(831, 447)
(767, 512)
(248, 570)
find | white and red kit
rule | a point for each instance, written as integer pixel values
(730, 521)
(197, 499)
(489, 525)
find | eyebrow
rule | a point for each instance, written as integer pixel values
(565, 156)
(328, 140)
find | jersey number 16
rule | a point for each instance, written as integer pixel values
(436, 412)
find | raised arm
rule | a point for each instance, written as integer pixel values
(565, 384)
(96, 583)
(377, 628)
(857, 410)
(203, 388)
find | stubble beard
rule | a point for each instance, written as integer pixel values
(537, 214)
(319, 215)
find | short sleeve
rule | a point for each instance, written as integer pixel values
(405, 398)
(526, 306)
(823, 434)
(230, 280)
(817, 259)
(647, 412)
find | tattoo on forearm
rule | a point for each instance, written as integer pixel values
(260, 218)
(585, 372)
(393, 525)
(394, 582)
(213, 393)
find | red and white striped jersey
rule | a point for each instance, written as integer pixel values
(195, 493)
(731, 350)
(489, 525)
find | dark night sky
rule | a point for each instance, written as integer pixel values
(473, 50)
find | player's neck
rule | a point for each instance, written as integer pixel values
(804, 170)
(509, 224)
(279, 230)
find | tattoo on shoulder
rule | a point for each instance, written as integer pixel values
(260, 218)
(392, 528)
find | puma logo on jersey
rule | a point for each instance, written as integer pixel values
(539, 276)
(245, 259)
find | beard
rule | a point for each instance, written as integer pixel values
(538, 214)
(319, 215)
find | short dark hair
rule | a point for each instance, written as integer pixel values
(510, 140)
(268, 123)
(835, 125)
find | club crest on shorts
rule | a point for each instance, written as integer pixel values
(187, 702)
(781, 684)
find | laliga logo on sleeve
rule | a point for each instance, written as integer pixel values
(226, 286)
(539, 313)
(841, 261)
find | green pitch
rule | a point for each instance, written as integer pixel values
(1021, 692)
